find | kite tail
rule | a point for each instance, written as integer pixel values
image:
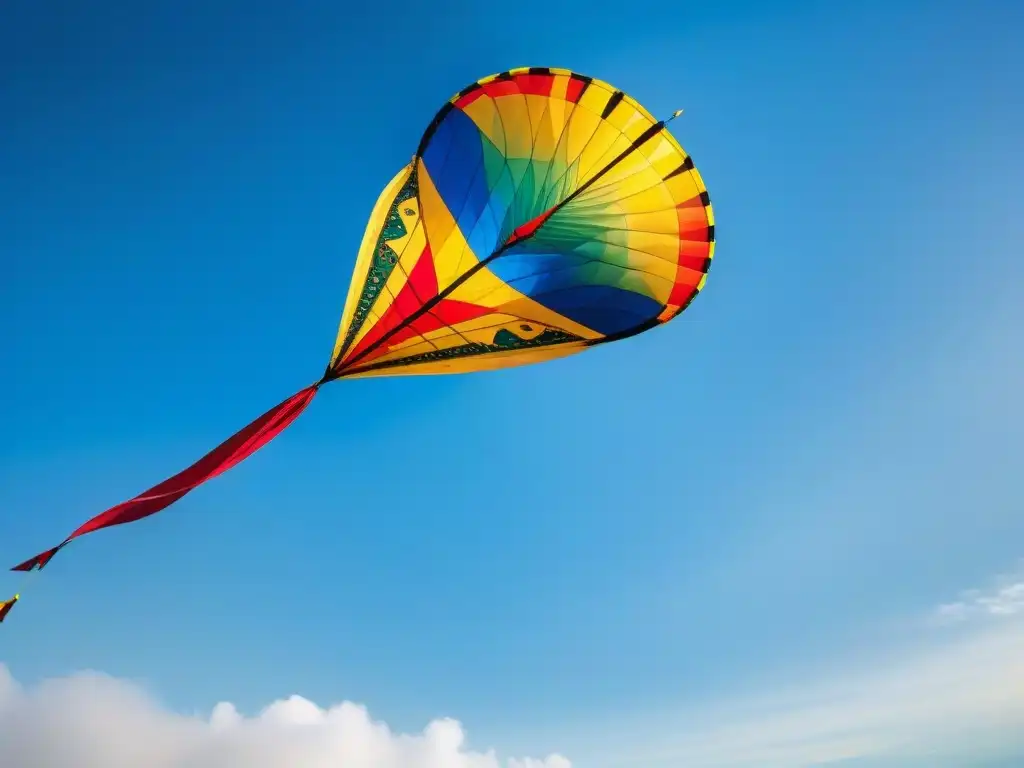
(235, 449)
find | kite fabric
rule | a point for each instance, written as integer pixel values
(5, 607)
(544, 212)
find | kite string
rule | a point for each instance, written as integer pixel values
(26, 581)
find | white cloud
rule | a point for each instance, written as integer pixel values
(1003, 600)
(94, 721)
(955, 700)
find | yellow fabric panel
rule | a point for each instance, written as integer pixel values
(448, 335)
(409, 249)
(452, 254)
(558, 88)
(490, 362)
(365, 254)
(486, 289)
(684, 186)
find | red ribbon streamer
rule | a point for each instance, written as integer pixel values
(232, 451)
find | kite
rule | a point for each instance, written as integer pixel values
(6, 605)
(543, 213)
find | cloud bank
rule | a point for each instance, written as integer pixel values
(1004, 600)
(91, 720)
(953, 699)
(957, 702)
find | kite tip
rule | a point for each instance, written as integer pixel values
(5, 607)
(677, 113)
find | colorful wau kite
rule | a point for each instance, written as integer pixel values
(543, 213)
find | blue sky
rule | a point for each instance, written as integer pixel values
(821, 451)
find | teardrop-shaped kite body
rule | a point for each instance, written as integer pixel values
(544, 212)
